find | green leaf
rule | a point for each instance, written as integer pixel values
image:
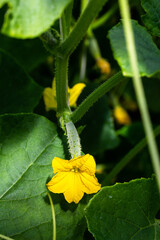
(152, 16)
(152, 90)
(29, 19)
(21, 50)
(147, 52)
(99, 133)
(28, 143)
(19, 93)
(125, 211)
(133, 133)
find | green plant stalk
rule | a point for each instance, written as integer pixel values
(83, 5)
(63, 29)
(66, 48)
(83, 62)
(5, 237)
(63, 109)
(78, 32)
(53, 216)
(65, 21)
(125, 13)
(61, 64)
(62, 86)
(127, 158)
(102, 20)
(95, 95)
(93, 45)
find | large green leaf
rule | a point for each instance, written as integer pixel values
(28, 145)
(152, 16)
(147, 52)
(28, 19)
(125, 211)
(19, 93)
(21, 50)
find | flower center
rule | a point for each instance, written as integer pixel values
(75, 169)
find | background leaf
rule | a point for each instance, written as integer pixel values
(19, 93)
(28, 145)
(125, 211)
(28, 19)
(99, 123)
(147, 52)
(152, 90)
(21, 50)
(152, 16)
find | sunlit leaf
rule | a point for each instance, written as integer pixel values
(152, 16)
(28, 19)
(147, 52)
(125, 211)
(28, 143)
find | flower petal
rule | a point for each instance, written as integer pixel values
(90, 183)
(74, 177)
(60, 165)
(121, 115)
(74, 193)
(85, 163)
(49, 99)
(74, 93)
(104, 66)
(58, 183)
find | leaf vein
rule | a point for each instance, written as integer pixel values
(52, 140)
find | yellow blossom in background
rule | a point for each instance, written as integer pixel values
(49, 95)
(74, 93)
(121, 115)
(74, 177)
(101, 168)
(104, 66)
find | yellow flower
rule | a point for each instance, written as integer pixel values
(74, 177)
(121, 115)
(49, 95)
(104, 66)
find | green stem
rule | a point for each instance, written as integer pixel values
(127, 158)
(102, 20)
(62, 26)
(62, 85)
(125, 13)
(95, 95)
(65, 21)
(83, 5)
(53, 216)
(93, 45)
(83, 62)
(5, 237)
(90, 12)
(61, 64)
